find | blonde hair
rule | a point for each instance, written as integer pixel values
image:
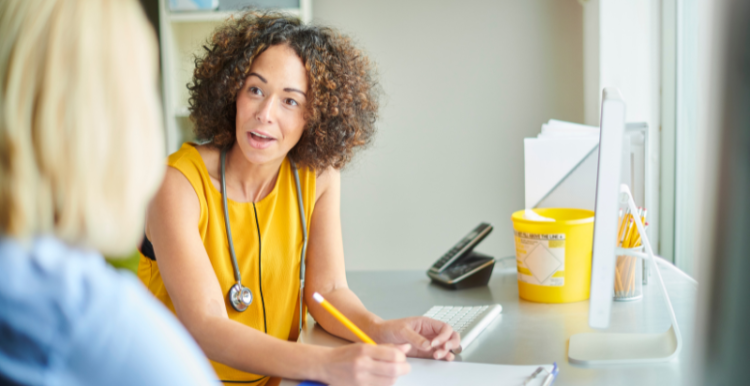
(81, 141)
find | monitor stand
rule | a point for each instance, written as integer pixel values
(603, 348)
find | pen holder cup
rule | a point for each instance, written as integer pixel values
(628, 277)
(553, 258)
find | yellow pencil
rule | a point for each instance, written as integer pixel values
(343, 319)
(618, 285)
(623, 227)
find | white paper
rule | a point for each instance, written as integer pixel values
(438, 373)
(555, 128)
(427, 372)
(549, 161)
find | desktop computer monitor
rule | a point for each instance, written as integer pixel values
(606, 208)
(609, 348)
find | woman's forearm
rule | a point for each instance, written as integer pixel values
(247, 349)
(349, 304)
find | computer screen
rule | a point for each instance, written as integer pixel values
(610, 348)
(612, 128)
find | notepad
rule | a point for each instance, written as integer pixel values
(442, 373)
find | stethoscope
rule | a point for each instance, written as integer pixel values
(240, 296)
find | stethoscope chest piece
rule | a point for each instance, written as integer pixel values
(240, 297)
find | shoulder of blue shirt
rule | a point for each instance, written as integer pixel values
(68, 304)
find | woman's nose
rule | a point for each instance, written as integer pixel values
(265, 111)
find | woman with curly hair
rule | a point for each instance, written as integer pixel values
(271, 98)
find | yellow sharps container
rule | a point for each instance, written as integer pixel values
(554, 257)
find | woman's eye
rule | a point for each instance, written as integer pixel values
(291, 102)
(255, 91)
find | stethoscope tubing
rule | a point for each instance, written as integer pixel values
(237, 276)
(235, 266)
(304, 243)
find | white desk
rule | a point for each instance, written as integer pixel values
(533, 333)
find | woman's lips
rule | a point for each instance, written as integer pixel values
(259, 142)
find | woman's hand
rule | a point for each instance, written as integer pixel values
(428, 337)
(363, 364)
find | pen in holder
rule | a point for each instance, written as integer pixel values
(628, 273)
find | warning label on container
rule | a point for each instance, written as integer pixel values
(541, 258)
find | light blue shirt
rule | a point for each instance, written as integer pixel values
(67, 318)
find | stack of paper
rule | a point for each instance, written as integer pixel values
(561, 129)
(435, 373)
(441, 373)
(560, 166)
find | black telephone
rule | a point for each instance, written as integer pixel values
(462, 267)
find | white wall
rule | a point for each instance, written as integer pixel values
(591, 87)
(699, 71)
(622, 49)
(465, 82)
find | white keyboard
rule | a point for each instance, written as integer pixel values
(468, 321)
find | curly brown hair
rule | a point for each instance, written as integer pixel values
(343, 91)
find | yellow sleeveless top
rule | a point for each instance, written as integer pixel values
(281, 247)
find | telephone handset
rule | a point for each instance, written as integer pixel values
(461, 266)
